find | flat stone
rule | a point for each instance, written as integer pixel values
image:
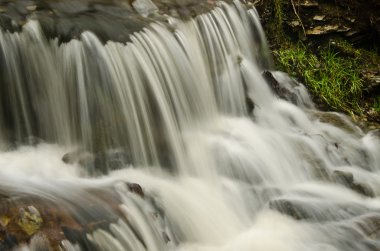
(31, 7)
(308, 4)
(294, 23)
(317, 211)
(320, 30)
(319, 18)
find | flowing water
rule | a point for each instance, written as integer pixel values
(182, 110)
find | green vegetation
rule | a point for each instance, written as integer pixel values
(337, 73)
(331, 77)
(275, 23)
(278, 17)
(376, 105)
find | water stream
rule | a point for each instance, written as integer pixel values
(183, 111)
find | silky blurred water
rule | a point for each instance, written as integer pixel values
(173, 103)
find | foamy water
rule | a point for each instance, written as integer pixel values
(216, 175)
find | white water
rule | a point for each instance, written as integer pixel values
(210, 169)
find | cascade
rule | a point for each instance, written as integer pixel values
(175, 140)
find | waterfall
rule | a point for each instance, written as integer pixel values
(184, 111)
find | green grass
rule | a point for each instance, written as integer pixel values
(332, 78)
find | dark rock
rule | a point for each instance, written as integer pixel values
(7, 241)
(363, 189)
(344, 178)
(347, 179)
(135, 188)
(287, 88)
(290, 208)
(369, 224)
(7, 24)
(318, 211)
(277, 87)
(372, 83)
(109, 20)
(83, 158)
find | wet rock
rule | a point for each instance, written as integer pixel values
(287, 88)
(7, 24)
(38, 222)
(40, 242)
(135, 188)
(339, 120)
(317, 211)
(363, 189)
(83, 158)
(372, 85)
(347, 179)
(344, 178)
(109, 20)
(290, 208)
(369, 224)
(29, 220)
(277, 88)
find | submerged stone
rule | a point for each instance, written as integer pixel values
(83, 158)
(345, 178)
(317, 211)
(363, 189)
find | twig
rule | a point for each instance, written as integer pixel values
(299, 18)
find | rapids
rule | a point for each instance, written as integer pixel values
(169, 111)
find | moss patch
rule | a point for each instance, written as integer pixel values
(376, 105)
